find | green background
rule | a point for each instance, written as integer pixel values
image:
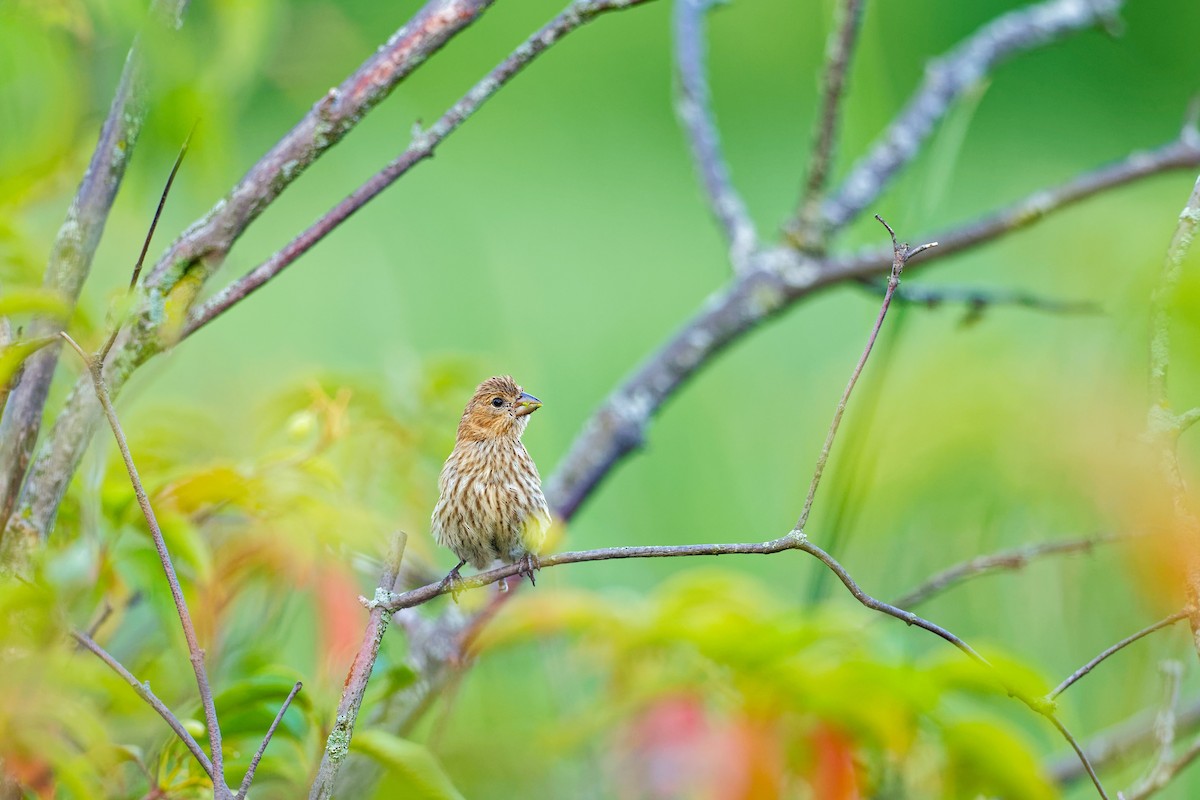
(560, 236)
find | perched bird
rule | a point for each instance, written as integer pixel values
(491, 504)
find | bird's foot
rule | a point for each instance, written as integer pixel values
(453, 582)
(528, 565)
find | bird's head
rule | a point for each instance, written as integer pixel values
(498, 409)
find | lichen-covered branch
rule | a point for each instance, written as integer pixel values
(71, 256)
(946, 78)
(337, 745)
(694, 106)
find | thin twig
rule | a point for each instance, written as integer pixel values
(794, 540)
(1016, 558)
(141, 259)
(807, 230)
(946, 78)
(1128, 640)
(422, 147)
(900, 255)
(143, 691)
(195, 652)
(262, 748)
(337, 745)
(694, 106)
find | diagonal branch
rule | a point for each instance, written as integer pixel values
(806, 231)
(71, 256)
(948, 77)
(779, 278)
(694, 106)
(423, 146)
(262, 748)
(143, 691)
(1014, 559)
(977, 300)
(1116, 648)
(195, 653)
(338, 742)
(900, 255)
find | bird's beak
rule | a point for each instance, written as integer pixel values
(527, 404)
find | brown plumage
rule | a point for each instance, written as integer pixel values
(491, 504)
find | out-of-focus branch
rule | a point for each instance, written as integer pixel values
(1120, 742)
(1005, 560)
(196, 654)
(192, 258)
(900, 255)
(422, 147)
(71, 256)
(1166, 773)
(262, 748)
(807, 231)
(337, 745)
(1183, 153)
(694, 106)
(946, 78)
(977, 300)
(1116, 648)
(143, 691)
(1164, 426)
(780, 277)
(1160, 772)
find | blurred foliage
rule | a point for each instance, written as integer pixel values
(560, 236)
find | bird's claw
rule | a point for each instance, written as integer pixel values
(454, 583)
(528, 565)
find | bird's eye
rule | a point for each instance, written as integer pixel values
(497, 402)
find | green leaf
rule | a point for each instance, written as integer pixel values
(13, 356)
(415, 771)
(33, 301)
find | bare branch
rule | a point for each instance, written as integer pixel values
(1128, 640)
(694, 106)
(143, 691)
(948, 77)
(780, 277)
(794, 540)
(1121, 741)
(900, 256)
(201, 249)
(1183, 153)
(185, 619)
(1159, 773)
(262, 748)
(1014, 559)
(71, 256)
(1165, 774)
(423, 145)
(807, 230)
(338, 743)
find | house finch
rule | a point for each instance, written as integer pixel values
(491, 504)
